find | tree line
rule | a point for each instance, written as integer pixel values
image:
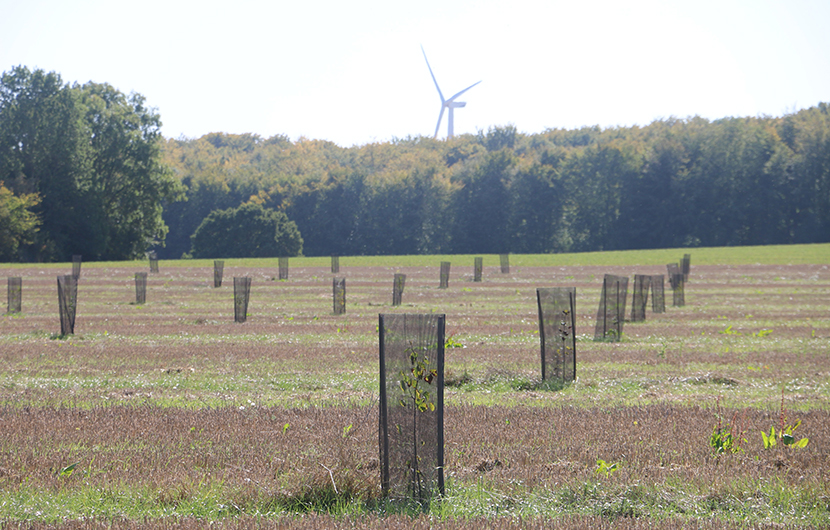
(84, 170)
(676, 182)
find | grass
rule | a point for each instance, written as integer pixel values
(172, 410)
(815, 253)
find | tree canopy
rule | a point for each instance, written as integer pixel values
(675, 182)
(249, 231)
(92, 156)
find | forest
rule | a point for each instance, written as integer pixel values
(674, 183)
(85, 170)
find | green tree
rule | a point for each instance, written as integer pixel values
(481, 205)
(43, 152)
(595, 177)
(18, 224)
(93, 156)
(249, 231)
(127, 181)
(329, 214)
(537, 207)
(807, 173)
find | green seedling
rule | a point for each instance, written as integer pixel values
(728, 331)
(68, 470)
(416, 383)
(604, 468)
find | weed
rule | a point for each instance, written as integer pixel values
(451, 342)
(786, 432)
(727, 438)
(729, 331)
(68, 470)
(604, 468)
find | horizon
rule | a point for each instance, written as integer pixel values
(355, 75)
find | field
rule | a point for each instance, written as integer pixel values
(171, 415)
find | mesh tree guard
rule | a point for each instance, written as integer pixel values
(658, 297)
(67, 303)
(218, 272)
(504, 260)
(412, 406)
(76, 266)
(338, 287)
(140, 287)
(241, 295)
(15, 303)
(611, 313)
(678, 290)
(685, 266)
(335, 264)
(477, 267)
(397, 288)
(154, 262)
(639, 297)
(445, 275)
(557, 332)
(283, 268)
(674, 270)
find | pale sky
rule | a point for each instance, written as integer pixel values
(352, 72)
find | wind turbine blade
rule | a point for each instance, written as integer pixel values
(441, 115)
(433, 77)
(466, 89)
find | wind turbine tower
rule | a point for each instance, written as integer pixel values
(450, 103)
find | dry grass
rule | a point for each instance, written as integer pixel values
(395, 522)
(265, 459)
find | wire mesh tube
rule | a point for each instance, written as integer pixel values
(397, 288)
(67, 303)
(557, 332)
(15, 302)
(611, 312)
(445, 275)
(411, 406)
(140, 287)
(639, 297)
(218, 272)
(338, 286)
(686, 266)
(241, 295)
(658, 296)
(478, 265)
(76, 266)
(283, 264)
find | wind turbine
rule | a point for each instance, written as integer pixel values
(450, 103)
